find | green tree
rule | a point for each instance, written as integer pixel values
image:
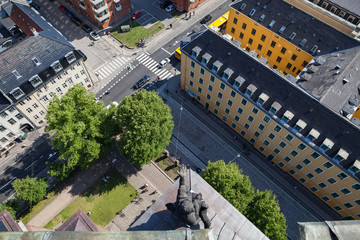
(264, 212)
(81, 132)
(10, 206)
(30, 190)
(229, 181)
(146, 126)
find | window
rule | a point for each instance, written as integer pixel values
(222, 86)
(19, 116)
(201, 81)
(11, 121)
(10, 134)
(241, 35)
(256, 134)
(191, 83)
(283, 50)
(289, 137)
(276, 150)
(235, 21)
(261, 127)
(212, 78)
(301, 146)
(243, 133)
(270, 157)
(292, 172)
(217, 103)
(2, 128)
(261, 149)
(278, 59)
(3, 114)
(294, 153)
(233, 93)
(16, 74)
(266, 142)
(288, 66)
(233, 125)
(318, 170)
(29, 110)
(227, 111)
(202, 71)
(210, 88)
(236, 118)
(315, 155)
(357, 201)
(331, 180)
(240, 110)
(252, 140)
(293, 57)
(356, 186)
(345, 191)
(21, 102)
(216, 111)
(199, 89)
(322, 185)
(263, 37)
(3, 140)
(328, 165)
(192, 64)
(277, 128)
(306, 161)
(35, 105)
(266, 119)
(282, 144)
(314, 189)
(244, 26)
(232, 30)
(244, 101)
(251, 118)
(82, 72)
(36, 117)
(310, 175)
(298, 167)
(348, 205)
(273, 43)
(302, 180)
(281, 164)
(253, 32)
(208, 96)
(255, 110)
(247, 126)
(335, 195)
(342, 176)
(224, 118)
(287, 159)
(338, 208)
(220, 95)
(325, 198)
(250, 41)
(269, 53)
(271, 136)
(192, 74)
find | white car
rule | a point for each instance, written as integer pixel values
(164, 62)
(170, 8)
(94, 36)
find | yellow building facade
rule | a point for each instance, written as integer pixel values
(271, 135)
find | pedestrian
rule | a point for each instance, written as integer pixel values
(158, 78)
(170, 25)
(146, 185)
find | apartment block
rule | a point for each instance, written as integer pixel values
(303, 137)
(187, 5)
(283, 36)
(103, 12)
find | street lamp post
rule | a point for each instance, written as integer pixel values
(237, 156)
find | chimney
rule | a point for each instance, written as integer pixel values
(35, 33)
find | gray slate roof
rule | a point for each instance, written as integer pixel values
(302, 105)
(350, 5)
(304, 25)
(226, 221)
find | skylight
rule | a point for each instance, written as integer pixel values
(292, 36)
(282, 29)
(36, 61)
(252, 12)
(272, 23)
(302, 43)
(16, 74)
(261, 18)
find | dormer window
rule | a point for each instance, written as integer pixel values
(287, 116)
(35, 81)
(300, 125)
(227, 73)
(274, 107)
(216, 66)
(205, 58)
(226, 76)
(70, 57)
(341, 155)
(17, 93)
(327, 144)
(56, 66)
(36, 61)
(195, 51)
(250, 90)
(313, 134)
(355, 168)
(262, 98)
(238, 82)
(16, 74)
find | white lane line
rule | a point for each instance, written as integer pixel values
(12, 195)
(165, 51)
(30, 165)
(8, 183)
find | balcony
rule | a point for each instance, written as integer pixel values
(96, 2)
(100, 8)
(102, 16)
(118, 7)
(82, 5)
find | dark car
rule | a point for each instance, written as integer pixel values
(205, 19)
(141, 82)
(86, 28)
(34, 5)
(69, 14)
(76, 20)
(164, 4)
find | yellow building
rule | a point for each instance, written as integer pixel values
(311, 143)
(284, 35)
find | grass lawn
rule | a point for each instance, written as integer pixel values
(167, 166)
(131, 38)
(103, 199)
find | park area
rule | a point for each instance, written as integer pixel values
(104, 199)
(131, 38)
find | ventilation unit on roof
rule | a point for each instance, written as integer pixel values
(282, 29)
(252, 12)
(243, 6)
(271, 24)
(261, 18)
(302, 43)
(292, 36)
(258, 3)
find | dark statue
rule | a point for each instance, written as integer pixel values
(190, 206)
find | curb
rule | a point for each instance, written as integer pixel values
(172, 181)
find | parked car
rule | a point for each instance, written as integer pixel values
(94, 35)
(142, 82)
(86, 28)
(76, 20)
(205, 19)
(34, 5)
(136, 15)
(170, 8)
(69, 14)
(164, 62)
(62, 9)
(164, 4)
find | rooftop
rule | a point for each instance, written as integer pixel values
(7, 223)
(226, 221)
(345, 229)
(289, 20)
(350, 5)
(328, 123)
(78, 222)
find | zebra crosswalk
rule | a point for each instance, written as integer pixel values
(111, 67)
(152, 65)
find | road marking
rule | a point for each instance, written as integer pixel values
(12, 195)
(8, 183)
(165, 51)
(30, 165)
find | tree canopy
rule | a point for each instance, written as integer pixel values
(30, 190)
(10, 206)
(80, 130)
(146, 126)
(261, 208)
